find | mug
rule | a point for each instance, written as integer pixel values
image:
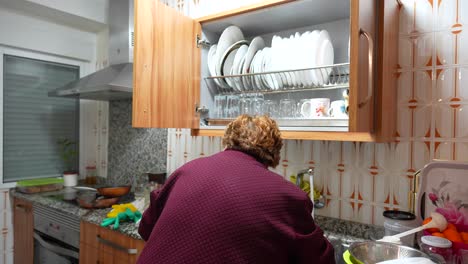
(316, 107)
(337, 109)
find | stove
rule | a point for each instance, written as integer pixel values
(69, 195)
(56, 236)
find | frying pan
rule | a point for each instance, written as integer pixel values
(97, 203)
(111, 191)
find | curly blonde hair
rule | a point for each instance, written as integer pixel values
(258, 136)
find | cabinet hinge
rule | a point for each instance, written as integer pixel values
(202, 42)
(201, 110)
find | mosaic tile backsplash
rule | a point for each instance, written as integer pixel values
(361, 180)
(133, 151)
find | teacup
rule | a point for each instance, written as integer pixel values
(337, 109)
(316, 107)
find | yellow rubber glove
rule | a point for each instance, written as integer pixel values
(120, 208)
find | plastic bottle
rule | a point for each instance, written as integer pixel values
(438, 247)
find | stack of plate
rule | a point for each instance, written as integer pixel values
(288, 59)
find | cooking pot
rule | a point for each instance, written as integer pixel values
(111, 191)
(99, 202)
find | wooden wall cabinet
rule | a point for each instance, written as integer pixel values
(23, 231)
(170, 65)
(100, 245)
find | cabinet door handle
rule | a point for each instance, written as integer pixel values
(131, 251)
(370, 80)
(21, 207)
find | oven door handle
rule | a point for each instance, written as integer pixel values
(56, 249)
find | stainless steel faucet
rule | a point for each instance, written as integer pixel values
(299, 176)
(320, 203)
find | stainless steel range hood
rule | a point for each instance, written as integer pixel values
(116, 81)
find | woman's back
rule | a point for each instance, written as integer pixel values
(229, 208)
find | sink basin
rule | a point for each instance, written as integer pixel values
(340, 248)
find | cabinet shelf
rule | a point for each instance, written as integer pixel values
(327, 77)
(292, 122)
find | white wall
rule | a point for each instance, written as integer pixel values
(96, 10)
(32, 33)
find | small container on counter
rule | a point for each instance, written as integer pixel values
(439, 248)
(397, 222)
(91, 175)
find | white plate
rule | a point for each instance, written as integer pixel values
(276, 62)
(271, 81)
(230, 35)
(228, 59)
(264, 67)
(211, 60)
(240, 83)
(227, 67)
(309, 43)
(235, 69)
(255, 68)
(324, 56)
(256, 44)
(301, 60)
(296, 56)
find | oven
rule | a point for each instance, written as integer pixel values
(56, 236)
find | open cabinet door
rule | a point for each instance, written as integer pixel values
(166, 68)
(362, 66)
(387, 71)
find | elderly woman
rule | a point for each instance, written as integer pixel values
(229, 208)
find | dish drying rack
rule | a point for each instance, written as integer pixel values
(327, 77)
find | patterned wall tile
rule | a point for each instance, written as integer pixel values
(449, 12)
(461, 151)
(444, 151)
(422, 121)
(405, 56)
(462, 47)
(424, 14)
(407, 12)
(422, 50)
(445, 39)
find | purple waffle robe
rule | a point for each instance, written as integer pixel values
(229, 208)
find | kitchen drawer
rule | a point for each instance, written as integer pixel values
(110, 246)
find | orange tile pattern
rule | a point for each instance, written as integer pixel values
(361, 180)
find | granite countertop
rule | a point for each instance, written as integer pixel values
(334, 229)
(94, 216)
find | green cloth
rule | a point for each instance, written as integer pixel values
(37, 182)
(127, 216)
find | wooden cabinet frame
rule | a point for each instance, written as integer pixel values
(23, 229)
(167, 70)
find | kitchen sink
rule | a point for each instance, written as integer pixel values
(340, 247)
